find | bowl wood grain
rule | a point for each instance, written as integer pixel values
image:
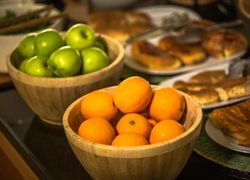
(158, 161)
(49, 97)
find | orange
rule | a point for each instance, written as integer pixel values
(167, 103)
(134, 123)
(152, 121)
(129, 139)
(133, 95)
(98, 104)
(97, 130)
(165, 130)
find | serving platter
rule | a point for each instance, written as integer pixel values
(157, 13)
(210, 61)
(224, 140)
(184, 77)
(232, 162)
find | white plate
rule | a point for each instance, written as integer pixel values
(157, 13)
(220, 138)
(9, 42)
(210, 61)
(184, 77)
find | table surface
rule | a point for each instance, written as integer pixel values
(46, 150)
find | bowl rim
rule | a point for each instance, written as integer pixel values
(148, 150)
(76, 80)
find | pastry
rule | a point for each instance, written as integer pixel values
(215, 84)
(223, 43)
(187, 53)
(193, 86)
(203, 96)
(234, 121)
(208, 77)
(233, 87)
(119, 24)
(167, 42)
(152, 57)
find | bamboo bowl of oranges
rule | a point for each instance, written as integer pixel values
(133, 130)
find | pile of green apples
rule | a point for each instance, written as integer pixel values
(49, 54)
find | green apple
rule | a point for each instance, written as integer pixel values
(36, 66)
(27, 46)
(65, 61)
(80, 36)
(100, 43)
(22, 66)
(94, 59)
(48, 41)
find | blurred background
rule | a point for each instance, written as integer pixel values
(217, 10)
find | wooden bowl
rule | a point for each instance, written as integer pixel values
(156, 161)
(49, 97)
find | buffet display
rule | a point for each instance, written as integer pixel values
(55, 71)
(167, 54)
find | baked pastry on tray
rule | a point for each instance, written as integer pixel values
(224, 43)
(168, 55)
(220, 44)
(120, 24)
(208, 77)
(206, 95)
(152, 57)
(234, 121)
(233, 87)
(187, 53)
(214, 86)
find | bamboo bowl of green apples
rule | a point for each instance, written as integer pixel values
(51, 69)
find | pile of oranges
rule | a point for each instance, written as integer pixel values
(132, 114)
